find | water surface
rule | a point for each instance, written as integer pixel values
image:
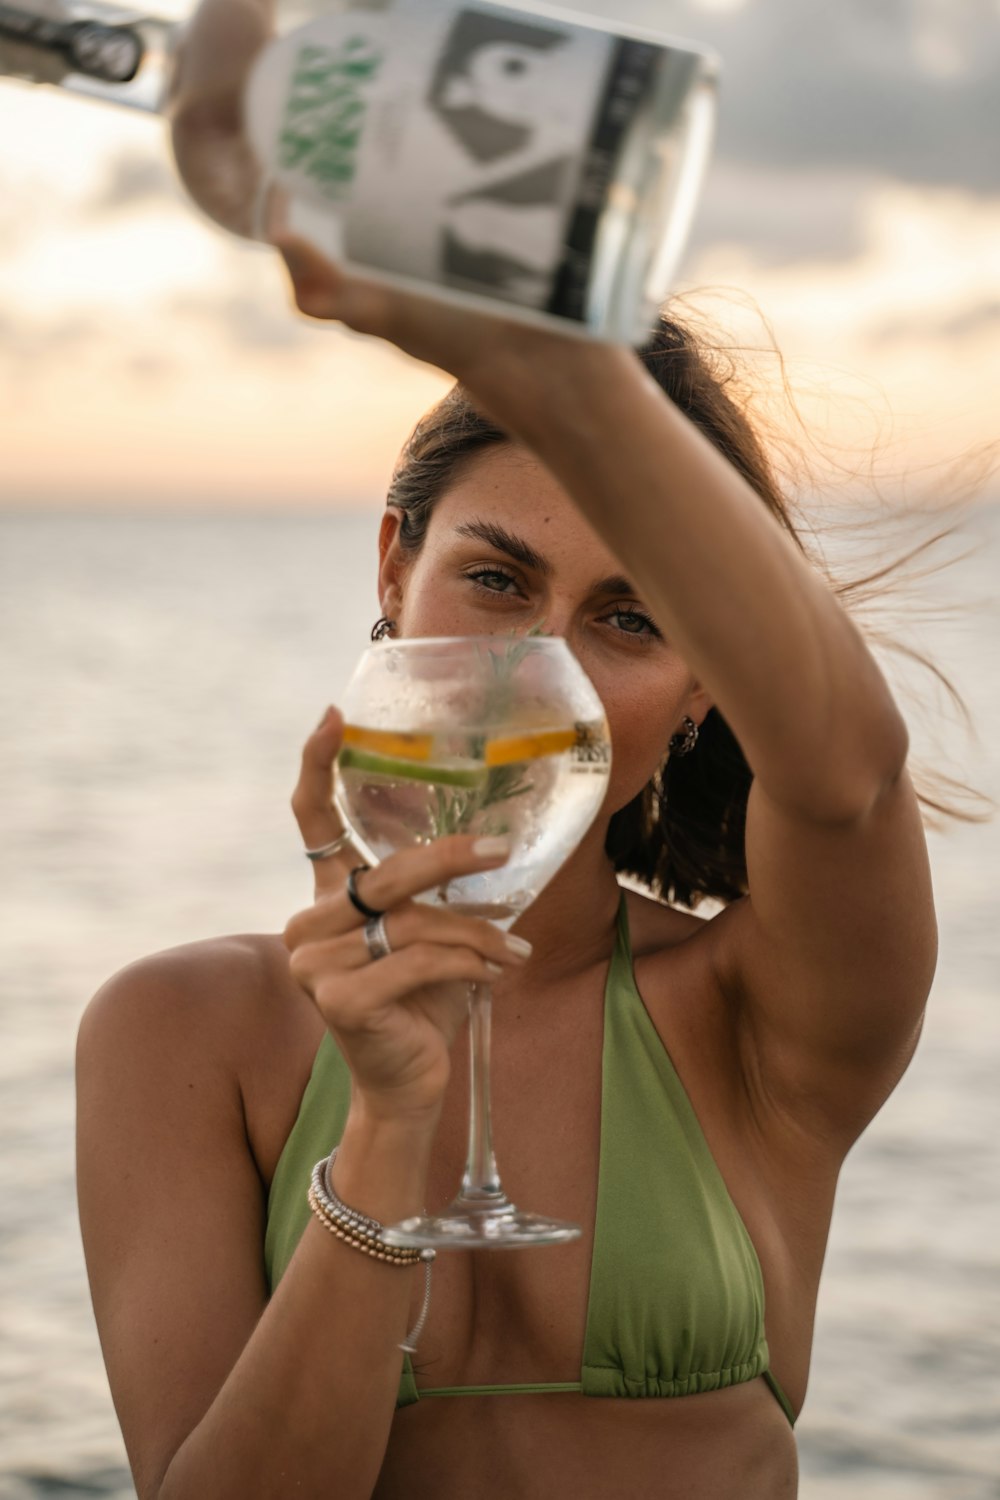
(158, 677)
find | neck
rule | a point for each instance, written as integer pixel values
(572, 924)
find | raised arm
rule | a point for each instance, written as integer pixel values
(831, 958)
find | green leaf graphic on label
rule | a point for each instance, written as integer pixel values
(325, 112)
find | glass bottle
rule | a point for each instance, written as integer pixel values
(515, 158)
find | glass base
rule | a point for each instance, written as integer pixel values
(487, 1223)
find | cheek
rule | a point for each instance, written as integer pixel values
(431, 607)
(641, 726)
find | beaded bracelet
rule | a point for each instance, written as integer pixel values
(370, 1246)
(365, 1234)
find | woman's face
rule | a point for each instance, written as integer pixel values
(506, 550)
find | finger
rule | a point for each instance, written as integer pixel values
(312, 803)
(427, 867)
(316, 281)
(409, 873)
(353, 1007)
(323, 290)
(404, 927)
(393, 883)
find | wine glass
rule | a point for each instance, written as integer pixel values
(492, 736)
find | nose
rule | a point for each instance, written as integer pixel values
(560, 617)
(551, 616)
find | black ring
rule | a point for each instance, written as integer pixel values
(355, 899)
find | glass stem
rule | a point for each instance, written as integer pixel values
(481, 1180)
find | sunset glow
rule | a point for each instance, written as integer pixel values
(149, 359)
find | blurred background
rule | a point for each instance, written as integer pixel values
(190, 479)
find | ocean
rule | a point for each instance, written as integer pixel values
(159, 674)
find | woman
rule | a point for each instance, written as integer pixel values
(788, 1017)
(717, 1070)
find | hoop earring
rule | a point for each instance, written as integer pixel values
(683, 743)
(382, 628)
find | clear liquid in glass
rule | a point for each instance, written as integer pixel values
(534, 786)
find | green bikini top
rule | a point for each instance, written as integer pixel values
(676, 1301)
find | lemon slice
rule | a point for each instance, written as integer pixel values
(406, 745)
(534, 745)
(372, 763)
(407, 757)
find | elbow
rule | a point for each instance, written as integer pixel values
(863, 799)
(868, 756)
(849, 782)
(847, 779)
(865, 761)
(860, 744)
(890, 751)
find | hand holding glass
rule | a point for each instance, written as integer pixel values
(493, 736)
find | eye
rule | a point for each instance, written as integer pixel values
(632, 621)
(493, 580)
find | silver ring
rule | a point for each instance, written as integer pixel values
(329, 850)
(376, 939)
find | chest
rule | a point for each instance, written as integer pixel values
(506, 1317)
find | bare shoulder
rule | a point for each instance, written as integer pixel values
(206, 975)
(171, 1175)
(207, 992)
(221, 1020)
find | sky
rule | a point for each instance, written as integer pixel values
(148, 359)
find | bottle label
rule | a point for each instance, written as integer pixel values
(325, 109)
(463, 145)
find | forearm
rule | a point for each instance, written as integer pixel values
(307, 1408)
(758, 628)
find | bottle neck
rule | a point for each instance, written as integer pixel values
(93, 49)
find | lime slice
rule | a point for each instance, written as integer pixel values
(373, 764)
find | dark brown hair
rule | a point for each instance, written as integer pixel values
(683, 836)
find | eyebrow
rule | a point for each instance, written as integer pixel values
(504, 541)
(521, 551)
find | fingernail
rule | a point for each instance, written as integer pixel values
(520, 946)
(495, 848)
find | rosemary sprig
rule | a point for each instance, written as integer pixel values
(455, 808)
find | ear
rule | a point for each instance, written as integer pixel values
(699, 704)
(392, 563)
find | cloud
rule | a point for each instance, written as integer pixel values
(976, 320)
(149, 369)
(25, 341)
(813, 106)
(904, 88)
(970, 323)
(246, 321)
(133, 179)
(779, 217)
